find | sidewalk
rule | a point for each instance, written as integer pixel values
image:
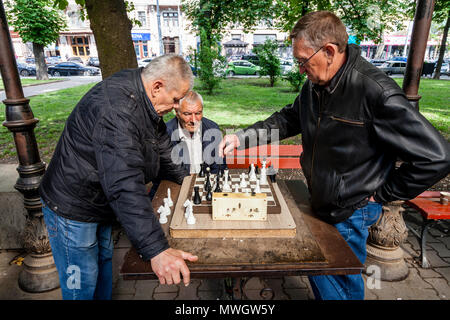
(423, 284)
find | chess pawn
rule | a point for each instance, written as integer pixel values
(243, 181)
(257, 188)
(263, 175)
(209, 195)
(226, 187)
(236, 188)
(197, 199)
(169, 197)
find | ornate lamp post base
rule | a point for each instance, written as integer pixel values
(383, 244)
(40, 274)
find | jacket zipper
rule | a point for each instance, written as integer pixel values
(358, 123)
(315, 136)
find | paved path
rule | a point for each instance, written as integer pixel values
(423, 284)
(68, 82)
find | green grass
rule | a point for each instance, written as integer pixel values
(30, 82)
(236, 104)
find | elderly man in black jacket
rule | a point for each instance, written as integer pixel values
(114, 142)
(355, 123)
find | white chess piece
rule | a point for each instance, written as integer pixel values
(226, 186)
(167, 207)
(263, 175)
(188, 205)
(190, 218)
(243, 181)
(252, 174)
(236, 188)
(162, 215)
(169, 197)
(257, 188)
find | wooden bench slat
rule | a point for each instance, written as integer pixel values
(430, 209)
(261, 151)
(280, 163)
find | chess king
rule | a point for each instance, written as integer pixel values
(355, 123)
(113, 143)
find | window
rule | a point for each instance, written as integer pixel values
(170, 19)
(142, 18)
(236, 37)
(80, 46)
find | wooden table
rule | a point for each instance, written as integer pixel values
(322, 250)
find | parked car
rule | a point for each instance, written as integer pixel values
(404, 59)
(251, 58)
(144, 62)
(285, 65)
(93, 62)
(377, 62)
(72, 69)
(242, 67)
(445, 69)
(26, 70)
(393, 67)
(30, 61)
(75, 59)
(51, 61)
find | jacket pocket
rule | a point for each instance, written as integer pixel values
(348, 121)
(92, 191)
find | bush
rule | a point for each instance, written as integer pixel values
(295, 78)
(269, 60)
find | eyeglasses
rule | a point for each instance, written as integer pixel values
(302, 64)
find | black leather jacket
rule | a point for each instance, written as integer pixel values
(113, 143)
(353, 131)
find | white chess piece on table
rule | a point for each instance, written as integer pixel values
(243, 181)
(190, 218)
(169, 197)
(252, 174)
(263, 175)
(257, 188)
(226, 186)
(188, 205)
(166, 206)
(236, 188)
(162, 215)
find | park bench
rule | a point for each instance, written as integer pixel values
(280, 156)
(431, 209)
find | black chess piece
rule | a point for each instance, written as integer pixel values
(202, 170)
(208, 183)
(197, 199)
(220, 173)
(217, 189)
(209, 195)
(256, 169)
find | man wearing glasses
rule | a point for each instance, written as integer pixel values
(355, 123)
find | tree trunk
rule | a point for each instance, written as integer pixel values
(112, 32)
(437, 73)
(39, 59)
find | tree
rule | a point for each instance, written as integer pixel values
(37, 22)
(112, 32)
(442, 13)
(269, 60)
(209, 20)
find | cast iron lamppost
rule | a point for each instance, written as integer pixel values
(386, 236)
(39, 274)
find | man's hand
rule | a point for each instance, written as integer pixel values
(168, 264)
(228, 143)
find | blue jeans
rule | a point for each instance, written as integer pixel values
(355, 231)
(83, 256)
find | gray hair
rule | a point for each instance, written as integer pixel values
(171, 68)
(319, 27)
(192, 97)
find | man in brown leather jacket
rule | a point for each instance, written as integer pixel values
(355, 123)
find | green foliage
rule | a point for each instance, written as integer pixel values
(295, 78)
(269, 60)
(207, 55)
(36, 21)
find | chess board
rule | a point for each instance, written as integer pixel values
(273, 204)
